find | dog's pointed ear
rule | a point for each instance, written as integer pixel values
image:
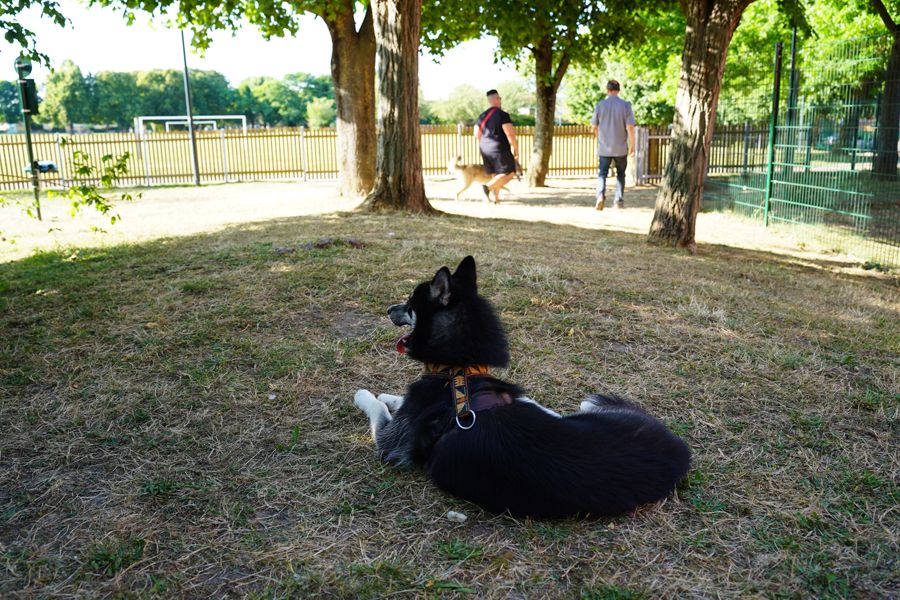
(440, 286)
(465, 273)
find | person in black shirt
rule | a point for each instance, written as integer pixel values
(497, 141)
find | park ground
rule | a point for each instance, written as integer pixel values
(177, 418)
(181, 210)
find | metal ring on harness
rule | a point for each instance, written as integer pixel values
(471, 425)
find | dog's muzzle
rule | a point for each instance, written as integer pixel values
(400, 315)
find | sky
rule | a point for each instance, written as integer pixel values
(98, 39)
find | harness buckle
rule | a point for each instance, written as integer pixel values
(471, 425)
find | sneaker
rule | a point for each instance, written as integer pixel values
(601, 201)
(618, 205)
(487, 193)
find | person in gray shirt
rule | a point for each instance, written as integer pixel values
(613, 124)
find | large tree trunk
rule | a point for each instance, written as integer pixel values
(353, 73)
(884, 165)
(710, 26)
(398, 174)
(546, 84)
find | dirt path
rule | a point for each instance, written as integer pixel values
(179, 211)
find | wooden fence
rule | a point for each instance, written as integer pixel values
(229, 155)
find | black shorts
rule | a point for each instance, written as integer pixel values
(499, 162)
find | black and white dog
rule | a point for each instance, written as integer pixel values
(481, 439)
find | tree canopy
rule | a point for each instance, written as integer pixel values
(16, 33)
(649, 72)
(113, 98)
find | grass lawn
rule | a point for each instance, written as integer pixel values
(177, 420)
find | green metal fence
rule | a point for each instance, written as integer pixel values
(829, 170)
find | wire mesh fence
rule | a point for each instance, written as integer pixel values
(824, 164)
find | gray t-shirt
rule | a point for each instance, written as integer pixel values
(611, 116)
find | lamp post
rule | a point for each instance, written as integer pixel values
(28, 99)
(190, 114)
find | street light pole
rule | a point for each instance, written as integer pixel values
(190, 114)
(28, 99)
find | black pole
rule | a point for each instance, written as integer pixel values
(28, 100)
(773, 131)
(792, 104)
(190, 114)
(32, 164)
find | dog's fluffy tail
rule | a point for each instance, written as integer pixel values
(453, 164)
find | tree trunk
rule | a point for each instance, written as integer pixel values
(546, 84)
(353, 73)
(398, 170)
(710, 26)
(884, 165)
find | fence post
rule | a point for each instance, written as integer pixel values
(459, 139)
(746, 158)
(640, 155)
(770, 156)
(224, 155)
(62, 164)
(303, 151)
(809, 139)
(144, 147)
(792, 106)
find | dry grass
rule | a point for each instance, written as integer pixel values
(177, 417)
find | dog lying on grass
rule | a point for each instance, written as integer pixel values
(467, 174)
(481, 439)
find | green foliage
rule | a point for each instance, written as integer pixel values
(611, 592)
(265, 100)
(466, 102)
(320, 112)
(518, 100)
(746, 94)
(118, 98)
(463, 106)
(68, 98)
(16, 33)
(576, 31)
(108, 558)
(649, 72)
(460, 550)
(650, 91)
(273, 18)
(426, 109)
(86, 193)
(10, 109)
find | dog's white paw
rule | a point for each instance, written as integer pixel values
(392, 402)
(362, 399)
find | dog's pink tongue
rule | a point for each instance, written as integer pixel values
(401, 344)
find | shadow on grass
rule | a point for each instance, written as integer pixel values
(192, 396)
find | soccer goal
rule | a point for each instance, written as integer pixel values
(140, 123)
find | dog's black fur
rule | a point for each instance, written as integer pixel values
(518, 458)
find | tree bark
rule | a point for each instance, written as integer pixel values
(884, 166)
(710, 26)
(546, 87)
(398, 171)
(353, 73)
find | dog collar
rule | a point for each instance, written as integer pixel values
(467, 395)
